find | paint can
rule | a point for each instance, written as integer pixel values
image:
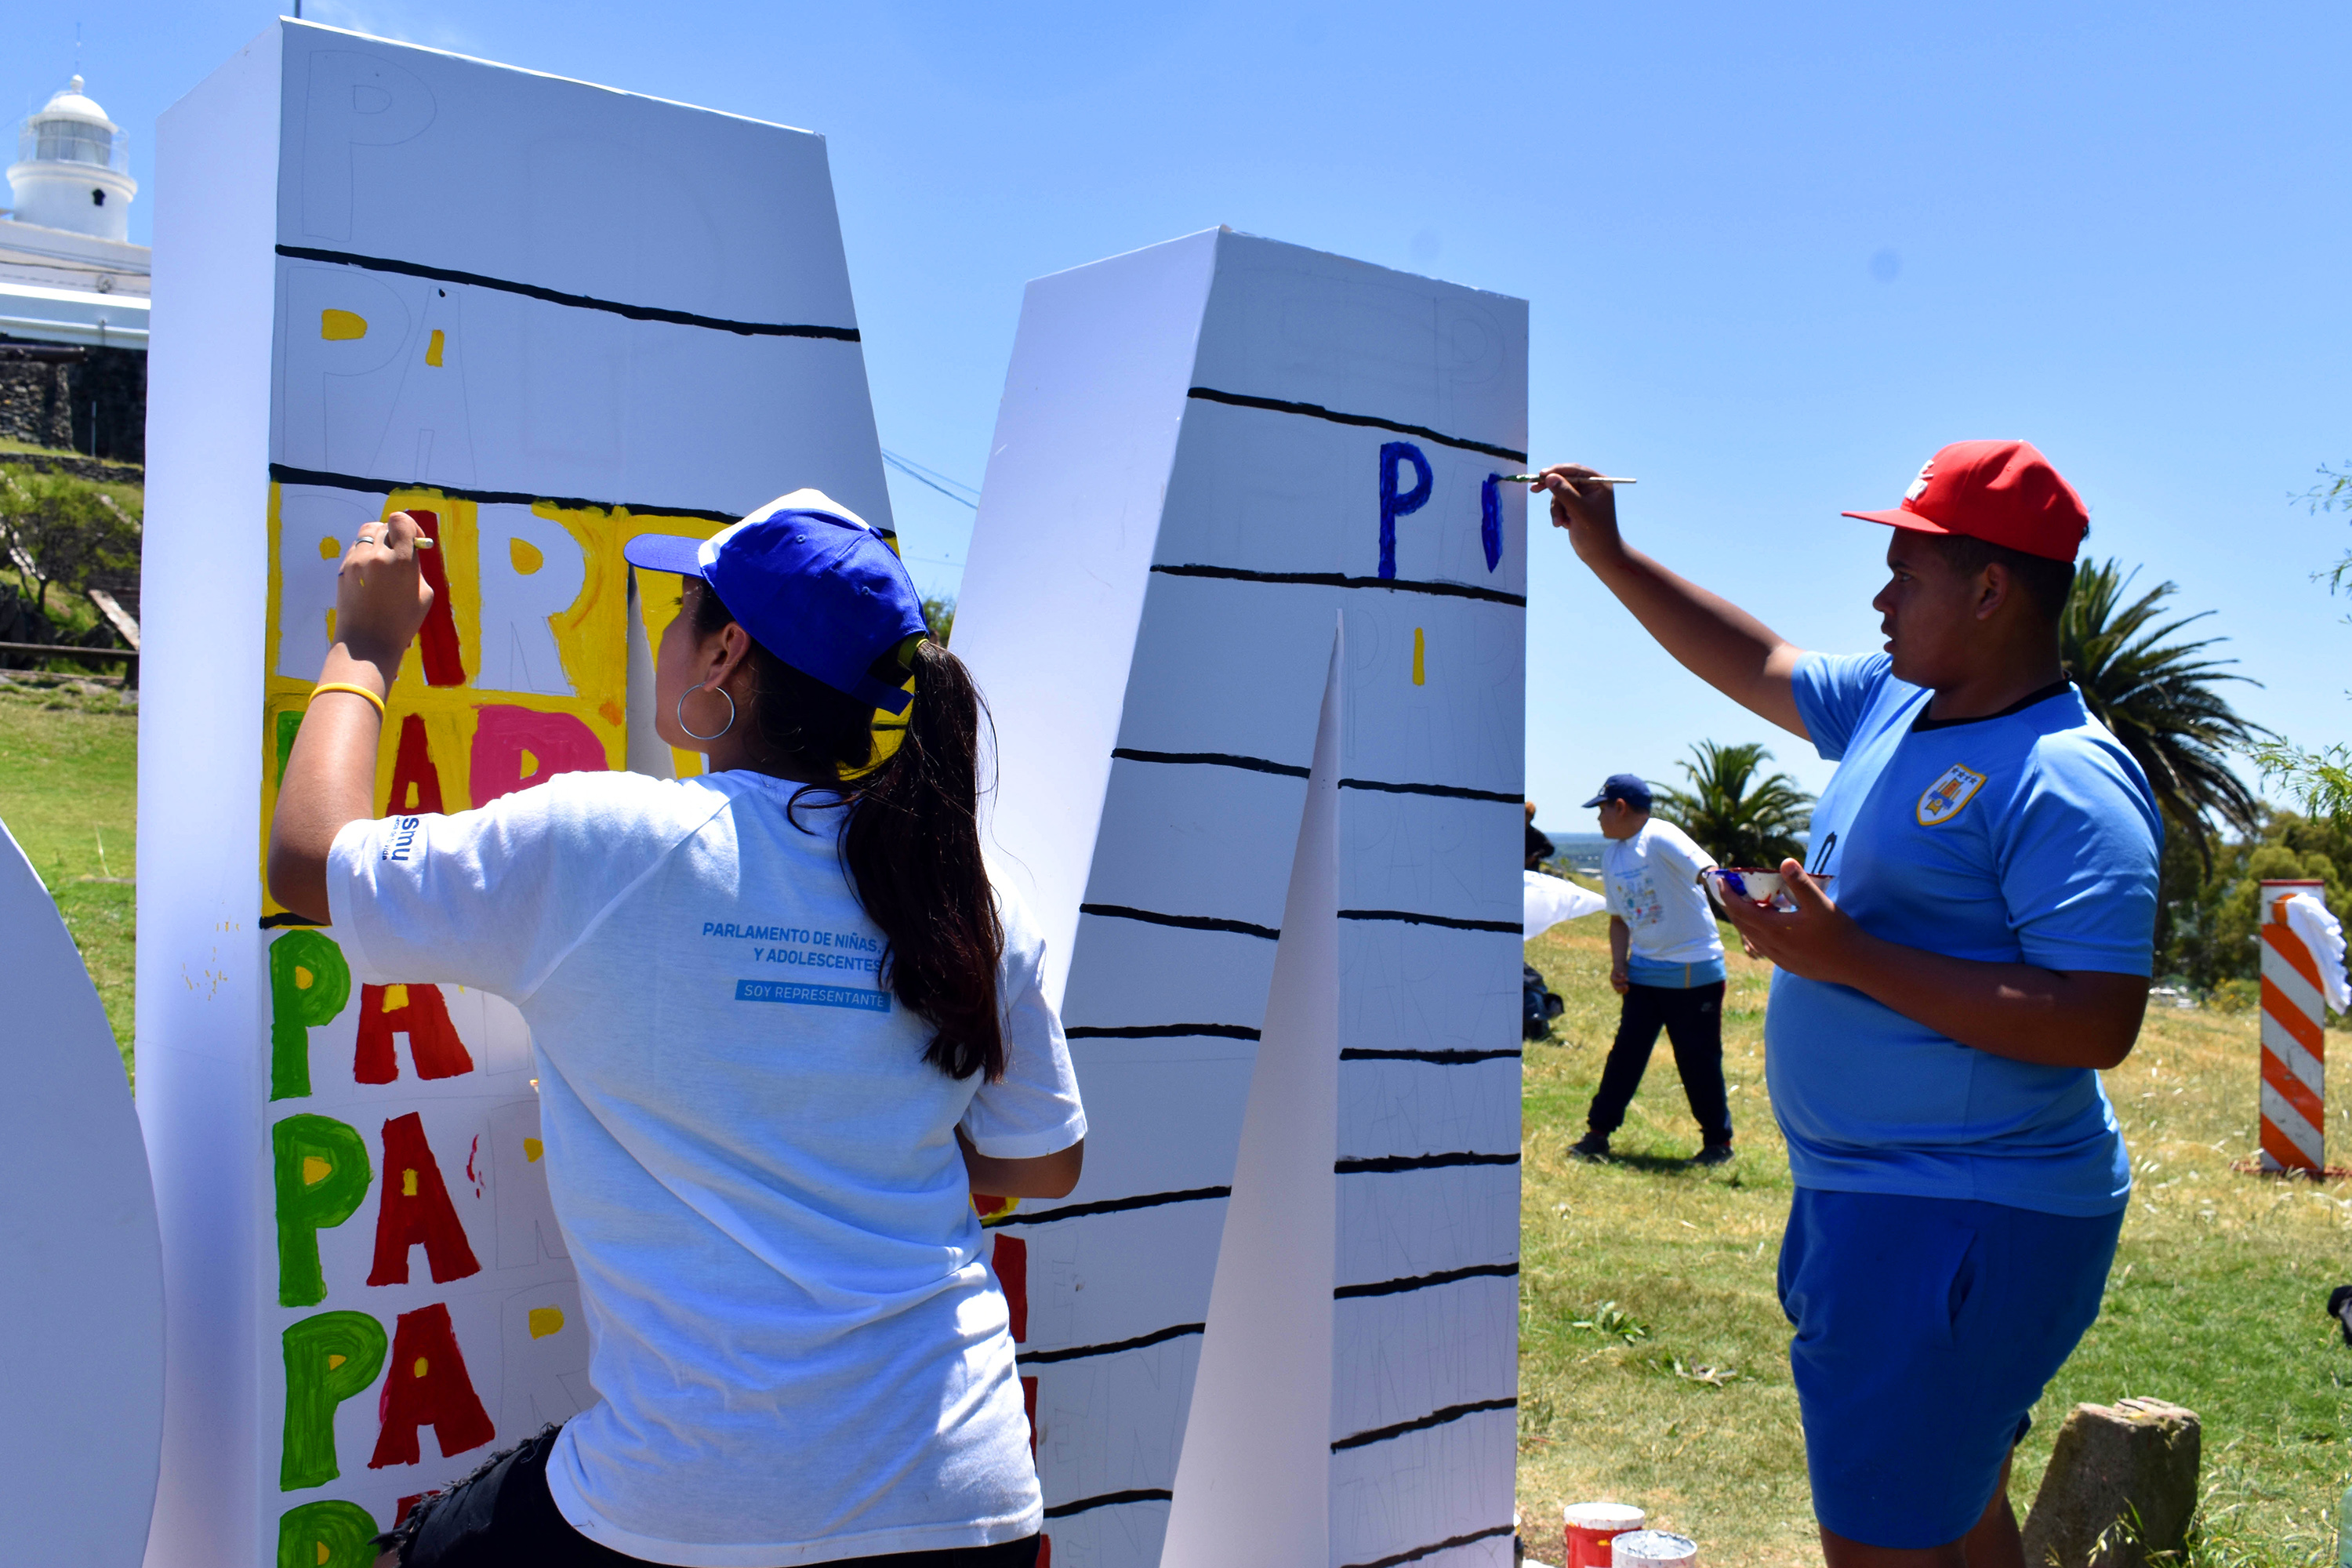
(1590, 1528)
(1654, 1549)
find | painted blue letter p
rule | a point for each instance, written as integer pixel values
(1394, 454)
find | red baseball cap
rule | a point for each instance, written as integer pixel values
(2003, 493)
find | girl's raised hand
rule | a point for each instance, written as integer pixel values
(381, 596)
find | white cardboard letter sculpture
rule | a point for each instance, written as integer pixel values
(1244, 595)
(392, 278)
(81, 1271)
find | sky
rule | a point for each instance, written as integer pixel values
(1775, 258)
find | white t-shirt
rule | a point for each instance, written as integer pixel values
(799, 1352)
(1652, 883)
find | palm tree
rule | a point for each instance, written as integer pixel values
(1737, 818)
(2159, 698)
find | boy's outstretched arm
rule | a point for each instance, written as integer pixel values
(1713, 638)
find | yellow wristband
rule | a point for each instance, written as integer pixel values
(354, 690)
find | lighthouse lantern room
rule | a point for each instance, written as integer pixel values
(73, 168)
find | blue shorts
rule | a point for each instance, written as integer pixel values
(1927, 1328)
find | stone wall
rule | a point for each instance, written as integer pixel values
(90, 400)
(36, 393)
(110, 386)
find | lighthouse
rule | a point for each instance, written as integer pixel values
(73, 168)
(73, 286)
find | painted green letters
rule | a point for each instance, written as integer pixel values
(308, 985)
(329, 1534)
(322, 1170)
(328, 1358)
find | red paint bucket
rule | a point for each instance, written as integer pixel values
(1592, 1526)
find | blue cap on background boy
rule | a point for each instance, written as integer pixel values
(1626, 787)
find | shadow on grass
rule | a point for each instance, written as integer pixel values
(1653, 1165)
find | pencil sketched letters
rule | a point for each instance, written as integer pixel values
(491, 1026)
(351, 101)
(531, 570)
(315, 526)
(526, 1216)
(544, 1337)
(340, 334)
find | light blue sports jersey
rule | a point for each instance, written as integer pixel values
(2027, 837)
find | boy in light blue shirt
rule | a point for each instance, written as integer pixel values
(1935, 1034)
(2027, 836)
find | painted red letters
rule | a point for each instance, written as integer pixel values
(417, 1011)
(413, 1209)
(427, 1385)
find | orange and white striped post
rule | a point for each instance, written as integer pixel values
(2295, 1044)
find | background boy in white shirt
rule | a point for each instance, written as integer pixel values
(1666, 959)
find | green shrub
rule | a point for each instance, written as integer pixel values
(2236, 996)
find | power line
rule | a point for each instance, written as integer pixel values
(936, 480)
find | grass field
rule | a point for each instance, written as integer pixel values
(1652, 1353)
(1654, 1362)
(69, 794)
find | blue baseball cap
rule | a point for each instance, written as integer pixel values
(1626, 787)
(811, 581)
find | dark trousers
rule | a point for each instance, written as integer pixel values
(502, 1516)
(1692, 1019)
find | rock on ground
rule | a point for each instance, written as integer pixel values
(2121, 1487)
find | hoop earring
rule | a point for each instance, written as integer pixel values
(689, 729)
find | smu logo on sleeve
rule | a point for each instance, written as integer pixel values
(403, 837)
(1943, 799)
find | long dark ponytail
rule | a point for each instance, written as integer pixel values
(911, 845)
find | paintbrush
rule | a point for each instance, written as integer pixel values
(1586, 479)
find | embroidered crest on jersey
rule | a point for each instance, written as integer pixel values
(1942, 800)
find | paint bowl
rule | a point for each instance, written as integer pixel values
(1653, 1549)
(1752, 885)
(1592, 1526)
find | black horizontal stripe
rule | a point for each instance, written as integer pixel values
(557, 296)
(1448, 1544)
(1316, 411)
(1188, 922)
(1111, 1205)
(286, 474)
(1447, 1059)
(1039, 1358)
(1158, 1031)
(1385, 1164)
(1424, 1281)
(1296, 770)
(1342, 580)
(1450, 921)
(272, 923)
(1214, 760)
(1456, 792)
(1434, 1418)
(1110, 1499)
